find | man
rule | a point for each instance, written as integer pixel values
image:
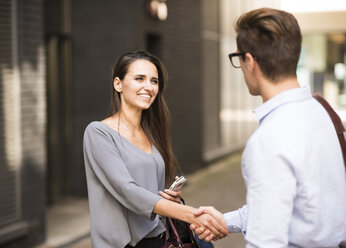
(292, 164)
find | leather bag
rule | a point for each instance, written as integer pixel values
(173, 239)
(340, 131)
(339, 126)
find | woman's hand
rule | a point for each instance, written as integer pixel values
(171, 195)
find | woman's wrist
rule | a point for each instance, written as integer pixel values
(175, 210)
(189, 216)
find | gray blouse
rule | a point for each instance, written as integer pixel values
(123, 184)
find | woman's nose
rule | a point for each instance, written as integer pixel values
(148, 85)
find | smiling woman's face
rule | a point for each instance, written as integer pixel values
(140, 85)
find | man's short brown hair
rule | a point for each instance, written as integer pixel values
(273, 38)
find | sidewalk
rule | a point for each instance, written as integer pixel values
(220, 185)
(67, 224)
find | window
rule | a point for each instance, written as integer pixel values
(322, 66)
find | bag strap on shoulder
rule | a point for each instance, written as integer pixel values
(339, 126)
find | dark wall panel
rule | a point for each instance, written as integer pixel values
(101, 32)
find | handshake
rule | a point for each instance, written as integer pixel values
(209, 224)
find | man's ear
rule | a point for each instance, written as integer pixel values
(117, 84)
(249, 62)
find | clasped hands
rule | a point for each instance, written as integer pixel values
(207, 222)
(213, 225)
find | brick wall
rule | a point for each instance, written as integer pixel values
(27, 70)
(101, 32)
(33, 121)
(183, 58)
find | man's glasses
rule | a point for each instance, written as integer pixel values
(235, 60)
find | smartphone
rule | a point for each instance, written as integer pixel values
(178, 184)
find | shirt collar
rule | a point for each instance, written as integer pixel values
(292, 95)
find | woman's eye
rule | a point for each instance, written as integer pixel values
(155, 81)
(139, 79)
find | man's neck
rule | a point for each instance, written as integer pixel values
(270, 89)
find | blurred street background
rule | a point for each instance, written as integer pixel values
(56, 59)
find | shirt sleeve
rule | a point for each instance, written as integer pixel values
(102, 155)
(271, 189)
(236, 220)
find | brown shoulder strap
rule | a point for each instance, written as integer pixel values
(339, 126)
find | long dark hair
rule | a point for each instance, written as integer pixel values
(154, 120)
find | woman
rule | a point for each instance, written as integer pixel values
(129, 161)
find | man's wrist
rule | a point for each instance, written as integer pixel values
(233, 222)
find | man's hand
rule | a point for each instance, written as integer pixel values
(206, 233)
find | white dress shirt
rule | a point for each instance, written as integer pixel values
(295, 177)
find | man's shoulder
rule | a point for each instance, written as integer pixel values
(293, 125)
(293, 116)
(284, 124)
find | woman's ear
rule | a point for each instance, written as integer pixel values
(117, 84)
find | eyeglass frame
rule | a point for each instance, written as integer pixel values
(231, 55)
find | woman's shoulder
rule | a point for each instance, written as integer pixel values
(98, 127)
(98, 134)
(94, 125)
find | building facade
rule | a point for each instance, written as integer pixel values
(56, 59)
(56, 65)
